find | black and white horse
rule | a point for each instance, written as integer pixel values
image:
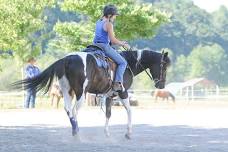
(78, 74)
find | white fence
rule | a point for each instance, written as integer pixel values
(7, 97)
(201, 94)
(16, 99)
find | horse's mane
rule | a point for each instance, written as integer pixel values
(131, 56)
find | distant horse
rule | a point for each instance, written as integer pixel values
(55, 94)
(79, 73)
(164, 94)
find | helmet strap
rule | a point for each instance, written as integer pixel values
(110, 18)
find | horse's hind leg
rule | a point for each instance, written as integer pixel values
(172, 96)
(156, 99)
(65, 88)
(80, 93)
(108, 105)
(125, 101)
(52, 100)
(57, 102)
(80, 96)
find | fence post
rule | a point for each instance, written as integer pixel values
(22, 77)
(192, 92)
(217, 92)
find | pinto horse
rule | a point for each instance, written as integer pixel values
(79, 73)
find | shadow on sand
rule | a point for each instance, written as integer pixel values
(43, 138)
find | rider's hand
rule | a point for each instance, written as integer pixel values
(126, 45)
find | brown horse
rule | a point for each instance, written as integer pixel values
(164, 94)
(55, 93)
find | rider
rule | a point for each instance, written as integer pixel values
(104, 34)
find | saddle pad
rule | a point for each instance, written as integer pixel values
(99, 55)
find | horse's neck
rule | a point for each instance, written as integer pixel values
(140, 60)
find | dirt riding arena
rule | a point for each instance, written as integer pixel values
(162, 127)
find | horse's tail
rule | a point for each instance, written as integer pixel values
(172, 96)
(43, 81)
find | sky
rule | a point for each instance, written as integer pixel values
(210, 5)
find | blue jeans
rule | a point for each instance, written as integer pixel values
(116, 57)
(30, 98)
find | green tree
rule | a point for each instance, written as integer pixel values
(180, 69)
(136, 21)
(19, 20)
(209, 61)
(220, 19)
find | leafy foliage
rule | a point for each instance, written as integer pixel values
(196, 40)
(210, 61)
(135, 21)
(192, 32)
(19, 20)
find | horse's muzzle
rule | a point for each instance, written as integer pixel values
(160, 85)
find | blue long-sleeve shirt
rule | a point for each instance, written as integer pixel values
(31, 71)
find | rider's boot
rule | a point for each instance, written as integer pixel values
(118, 86)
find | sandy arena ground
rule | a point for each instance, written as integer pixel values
(160, 128)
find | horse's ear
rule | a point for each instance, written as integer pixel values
(166, 54)
(163, 51)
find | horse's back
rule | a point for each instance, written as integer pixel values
(161, 93)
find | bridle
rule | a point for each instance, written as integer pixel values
(162, 71)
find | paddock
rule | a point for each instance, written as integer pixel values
(182, 127)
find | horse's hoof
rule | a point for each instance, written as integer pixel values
(75, 132)
(127, 136)
(107, 134)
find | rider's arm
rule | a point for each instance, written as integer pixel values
(109, 28)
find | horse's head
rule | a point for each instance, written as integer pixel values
(158, 70)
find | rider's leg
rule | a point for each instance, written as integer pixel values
(120, 61)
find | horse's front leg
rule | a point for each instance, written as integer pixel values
(108, 105)
(125, 101)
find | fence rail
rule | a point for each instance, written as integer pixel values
(6, 96)
(16, 99)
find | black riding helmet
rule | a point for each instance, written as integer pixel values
(110, 10)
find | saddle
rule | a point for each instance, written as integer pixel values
(102, 60)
